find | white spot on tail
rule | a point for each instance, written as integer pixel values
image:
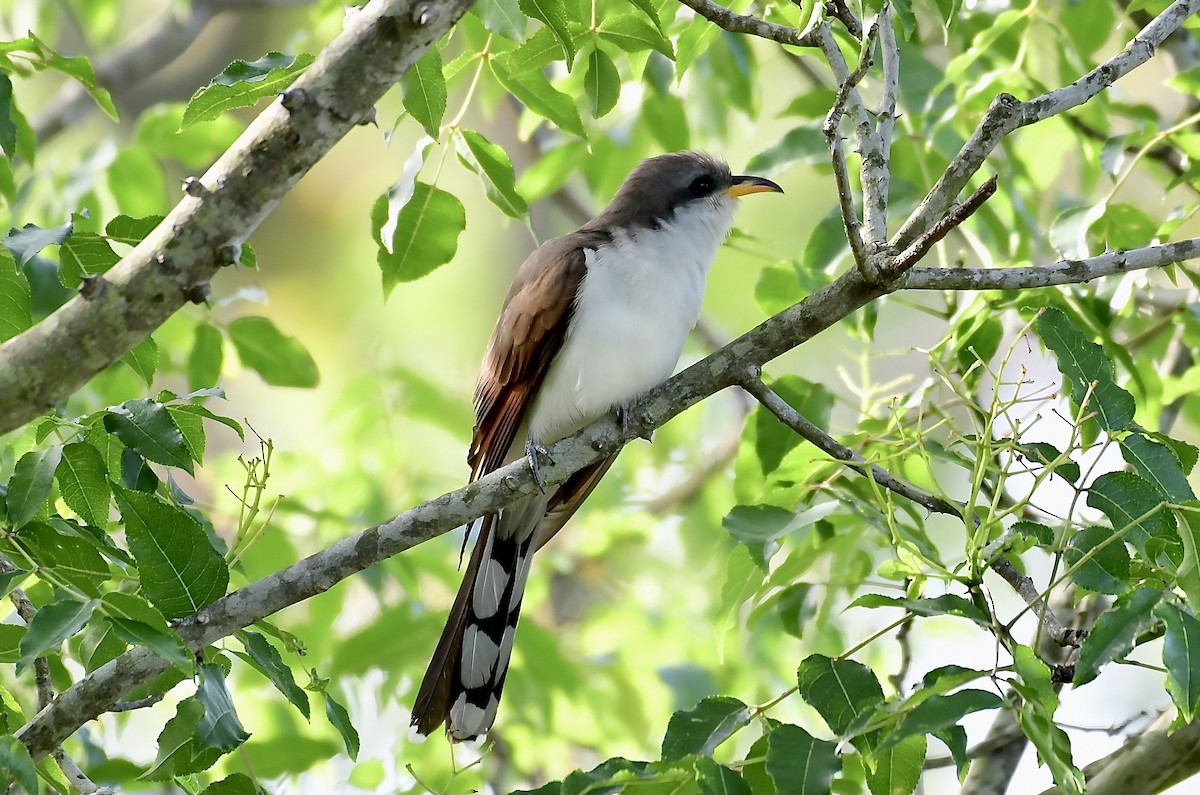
(489, 587)
(468, 720)
(478, 658)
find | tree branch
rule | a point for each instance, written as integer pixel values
(1007, 114)
(952, 220)
(48, 362)
(753, 26)
(876, 164)
(1062, 272)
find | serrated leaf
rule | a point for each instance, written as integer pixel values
(74, 561)
(1106, 571)
(138, 623)
(841, 691)
(8, 128)
(1045, 453)
(84, 255)
(601, 83)
(269, 662)
(220, 727)
(944, 605)
(492, 165)
(898, 770)
(136, 474)
(1114, 632)
(1083, 363)
(16, 311)
(939, 712)
(803, 144)
(16, 765)
(1158, 464)
(701, 730)
(502, 17)
(280, 360)
(554, 14)
(233, 784)
(206, 357)
(178, 753)
(800, 764)
(31, 482)
(714, 779)
(534, 91)
(425, 236)
(53, 624)
(243, 83)
(773, 440)
(632, 33)
(131, 231)
(79, 68)
(180, 570)
(539, 51)
(339, 718)
(758, 528)
(1188, 573)
(25, 243)
(145, 426)
(1181, 656)
(1125, 499)
(424, 89)
(1036, 718)
(143, 360)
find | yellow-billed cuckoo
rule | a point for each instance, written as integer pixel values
(593, 320)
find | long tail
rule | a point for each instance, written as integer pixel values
(463, 683)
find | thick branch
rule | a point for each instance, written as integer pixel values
(1007, 114)
(47, 363)
(739, 23)
(1063, 272)
(876, 164)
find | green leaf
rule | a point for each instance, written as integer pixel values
(145, 426)
(773, 440)
(16, 764)
(280, 360)
(220, 727)
(492, 165)
(8, 128)
(1036, 718)
(16, 313)
(632, 33)
(84, 255)
(1083, 363)
(28, 241)
(534, 91)
(136, 473)
(1045, 454)
(939, 712)
(73, 560)
(143, 359)
(266, 658)
(1181, 656)
(206, 357)
(1159, 465)
(758, 527)
(30, 485)
(898, 770)
(944, 605)
(701, 730)
(556, 17)
(601, 83)
(178, 753)
(1114, 632)
(181, 572)
(138, 623)
(502, 17)
(714, 779)
(233, 784)
(841, 691)
(418, 236)
(1125, 499)
(53, 624)
(1108, 570)
(539, 51)
(1188, 573)
(803, 144)
(424, 88)
(666, 119)
(243, 83)
(339, 718)
(800, 764)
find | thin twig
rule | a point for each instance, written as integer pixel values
(842, 13)
(141, 703)
(950, 221)
(739, 23)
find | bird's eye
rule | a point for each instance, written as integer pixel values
(702, 186)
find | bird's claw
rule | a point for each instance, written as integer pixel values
(532, 451)
(625, 420)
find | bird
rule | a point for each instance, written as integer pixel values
(594, 319)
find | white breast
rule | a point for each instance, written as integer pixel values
(639, 299)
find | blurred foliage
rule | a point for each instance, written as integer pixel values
(771, 622)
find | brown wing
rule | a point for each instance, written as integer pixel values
(531, 329)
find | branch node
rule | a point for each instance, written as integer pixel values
(92, 286)
(194, 188)
(293, 99)
(230, 254)
(422, 15)
(199, 293)
(368, 118)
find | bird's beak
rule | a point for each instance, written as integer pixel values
(744, 185)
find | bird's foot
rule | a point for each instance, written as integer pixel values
(532, 451)
(625, 420)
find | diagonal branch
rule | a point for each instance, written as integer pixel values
(753, 26)
(48, 362)
(951, 221)
(1007, 113)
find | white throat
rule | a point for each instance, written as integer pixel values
(640, 298)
